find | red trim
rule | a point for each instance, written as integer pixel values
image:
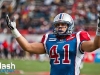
(43, 38)
(84, 36)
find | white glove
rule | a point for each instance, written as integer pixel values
(12, 27)
(98, 26)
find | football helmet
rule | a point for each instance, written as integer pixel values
(63, 18)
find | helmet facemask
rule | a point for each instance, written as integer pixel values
(68, 31)
(64, 19)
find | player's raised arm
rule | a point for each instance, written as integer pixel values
(37, 48)
(89, 46)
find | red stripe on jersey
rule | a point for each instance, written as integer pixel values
(84, 36)
(43, 39)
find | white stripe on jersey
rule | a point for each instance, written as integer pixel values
(79, 55)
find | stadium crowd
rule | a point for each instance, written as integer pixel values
(35, 16)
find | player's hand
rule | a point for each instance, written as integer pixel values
(98, 25)
(98, 20)
(11, 25)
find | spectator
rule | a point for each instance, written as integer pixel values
(5, 48)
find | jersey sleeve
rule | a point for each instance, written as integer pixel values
(84, 36)
(44, 39)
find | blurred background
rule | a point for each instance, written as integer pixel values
(34, 18)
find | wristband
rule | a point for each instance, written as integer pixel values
(15, 33)
(98, 31)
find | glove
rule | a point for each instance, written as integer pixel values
(12, 27)
(9, 22)
(98, 26)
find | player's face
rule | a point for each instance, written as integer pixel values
(61, 27)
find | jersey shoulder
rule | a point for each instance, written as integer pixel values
(46, 36)
(84, 36)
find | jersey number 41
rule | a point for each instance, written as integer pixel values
(54, 55)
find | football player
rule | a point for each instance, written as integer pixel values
(64, 47)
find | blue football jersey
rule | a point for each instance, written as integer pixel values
(65, 54)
